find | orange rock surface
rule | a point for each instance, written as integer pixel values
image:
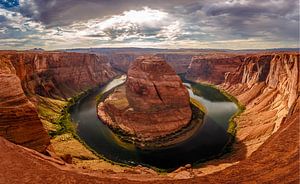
(153, 103)
(19, 121)
(212, 69)
(58, 75)
(268, 85)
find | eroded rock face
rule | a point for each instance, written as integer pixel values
(19, 121)
(58, 74)
(121, 61)
(153, 102)
(268, 85)
(212, 69)
(24, 75)
(178, 61)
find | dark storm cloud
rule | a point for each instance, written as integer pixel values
(64, 12)
(268, 19)
(257, 18)
(188, 20)
(241, 17)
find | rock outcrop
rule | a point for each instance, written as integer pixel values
(265, 83)
(50, 74)
(153, 102)
(19, 121)
(279, 153)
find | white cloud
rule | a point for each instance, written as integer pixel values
(145, 17)
(213, 25)
(133, 24)
(172, 31)
(30, 7)
(17, 21)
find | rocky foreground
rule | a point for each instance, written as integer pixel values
(267, 144)
(153, 103)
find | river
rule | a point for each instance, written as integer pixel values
(207, 141)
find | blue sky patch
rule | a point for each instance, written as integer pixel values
(9, 3)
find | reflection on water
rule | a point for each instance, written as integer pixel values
(216, 110)
(208, 140)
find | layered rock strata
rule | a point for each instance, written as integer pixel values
(122, 61)
(19, 121)
(57, 74)
(178, 61)
(25, 75)
(153, 102)
(212, 69)
(268, 85)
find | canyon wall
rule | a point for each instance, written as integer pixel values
(60, 74)
(211, 69)
(179, 61)
(19, 121)
(24, 75)
(121, 61)
(268, 85)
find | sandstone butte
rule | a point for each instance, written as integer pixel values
(153, 102)
(267, 139)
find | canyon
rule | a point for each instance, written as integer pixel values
(267, 136)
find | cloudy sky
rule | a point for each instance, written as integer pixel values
(232, 24)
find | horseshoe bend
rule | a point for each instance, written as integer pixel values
(38, 91)
(152, 103)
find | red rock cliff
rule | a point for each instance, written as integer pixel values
(19, 121)
(122, 61)
(278, 72)
(179, 61)
(211, 69)
(60, 74)
(49, 74)
(268, 85)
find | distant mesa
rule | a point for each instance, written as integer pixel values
(37, 50)
(153, 102)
